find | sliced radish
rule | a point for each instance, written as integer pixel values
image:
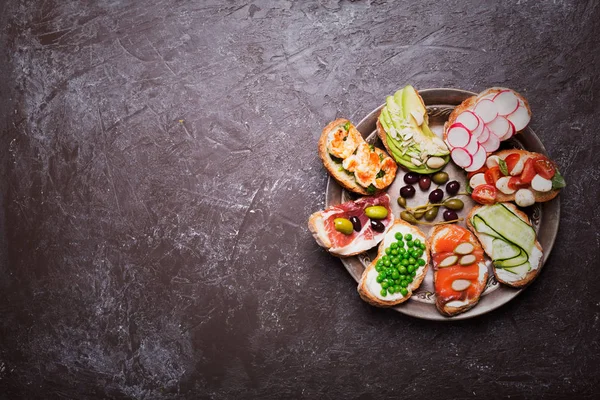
(479, 130)
(499, 126)
(468, 119)
(506, 102)
(472, 147)
(458, 135)
(461, 157)
(484, 135)
(520, 118)
(491, 144)
(478, 160)
(488, 96)
(486, 109)
(510, 133)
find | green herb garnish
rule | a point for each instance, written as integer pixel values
(558, 181)
(371, 189)
(347, 126)
(503, 167)
(380, 174)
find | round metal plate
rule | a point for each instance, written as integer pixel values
(544, 216)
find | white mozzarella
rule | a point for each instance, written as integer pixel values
(541, 184)
(502, 185)
(524, 198)
(492, 161)
(518, 168)
(477, 179)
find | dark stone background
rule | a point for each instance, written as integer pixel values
(159, 164)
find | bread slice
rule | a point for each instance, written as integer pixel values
(540, 197)
(452, 308)
(501, 275)
(345, 179)
(469, 104)
(316, 224)
(368, 284)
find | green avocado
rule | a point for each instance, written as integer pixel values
(398, 120)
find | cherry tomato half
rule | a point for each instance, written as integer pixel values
(528, 171)
(515, 183)
(492, 175)
(544, 167)
(484, 194)
(512, 160)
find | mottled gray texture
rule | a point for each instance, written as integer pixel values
(159, 163)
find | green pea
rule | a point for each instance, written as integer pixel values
(394, 252)
(421, 262)
(383, 292)
(398, 236)
(404, 262)
(417, 242)
(391, 290)
(380, 262)
(384, 285)
(440, 177)
(402, 250)
(413, 273)
(396, 282)
(410, 279)
(412, 260)
(400, 244)
(343, 225)
(376, 212)
(397, 289)
(410, 268)
(408, 236)
(403, 291)
(387, 263)
(385, 258)
(414, 253)
(395, 261)
(403, 276)
(395, 275)
(402, 269)
(377, 268)
(388, 250)
(409, 244)
(394, 245)
(379, 279)
(404, 283)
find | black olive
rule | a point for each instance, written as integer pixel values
(450, 215)
(377, 226)
(452, 187)
(356, 223)
(425, 182)
(407, 191)
(411, 177)
(436, 196)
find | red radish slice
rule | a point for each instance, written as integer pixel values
(458, 135)
(506, 102)
(486, 109)
(478, 159)
(472, 147)
(520, 118)
(510, 132)
(491, 144)
(488, 96)
(499, 126)
(461, 157)
(468, 119)
(484, 135)
(479, 130)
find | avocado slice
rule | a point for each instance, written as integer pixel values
(398, 120)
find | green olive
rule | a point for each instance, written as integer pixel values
(431, 214)
(454, 204)
(376, 212)
(343, 225)
(440, 178)
(419, 214)
(402, 202)
(408, 217)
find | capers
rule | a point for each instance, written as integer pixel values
(440, 178)
(419, 214)
(454, 204)
(402, 202)
(408, 217)
(343, 225)
(431, 213)
(376, 212)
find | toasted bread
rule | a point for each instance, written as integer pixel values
(470, 102)
(502, 276)
(369, 275)
(345, 179)
(540, 197)
(316, 224)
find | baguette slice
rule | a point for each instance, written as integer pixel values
(469, 104)
(321, 227)
(451, 307)
(501, 275)
(369, 289)
(345, 179)
(540, 197)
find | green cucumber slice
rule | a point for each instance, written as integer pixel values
(502, 250)
(520, 269)
(506, 224)
(512, 262)
(482, 227)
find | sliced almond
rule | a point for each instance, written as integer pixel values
(464, 248)
(460, 284)
(467, 260)
(448, 261)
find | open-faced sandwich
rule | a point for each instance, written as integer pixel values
(509, 240)
(403, 129)
(399, 268)
(459, 270)
(353, 227)
(356, 165)
(518, 175)
(476, 127)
